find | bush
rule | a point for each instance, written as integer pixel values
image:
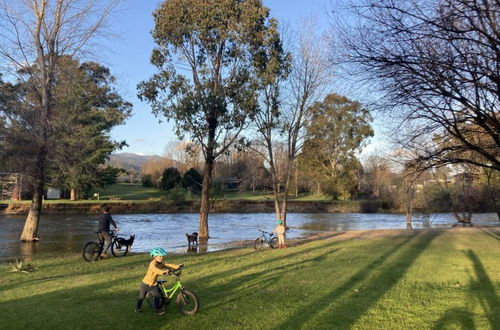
(192, 180)
(147, 180)
(170, 179)
(177, 194)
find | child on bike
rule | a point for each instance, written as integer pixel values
(156, 267)
(280, 232)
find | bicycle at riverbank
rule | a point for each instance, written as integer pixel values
(266, 239)
(187, 301)
(92, 250)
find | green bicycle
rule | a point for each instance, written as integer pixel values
(187, 301)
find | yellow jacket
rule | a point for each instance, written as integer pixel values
(156, 269)
(279, 230)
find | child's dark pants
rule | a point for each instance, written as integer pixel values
(143, 290)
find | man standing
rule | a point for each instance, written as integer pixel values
(104, 221)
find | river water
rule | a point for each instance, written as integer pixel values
(69, 233)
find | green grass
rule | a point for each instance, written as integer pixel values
(431, 279)
(130, 192)
(268, 196)
(136, 193)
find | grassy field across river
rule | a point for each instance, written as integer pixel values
(388, 279)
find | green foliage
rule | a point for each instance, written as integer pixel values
(192, 180)
(88, 108)
(85, 108)
(147, 180)
(178, 194)
(337, 131)
(20, 266)
(170, 179)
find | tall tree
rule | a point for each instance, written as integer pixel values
(336, 132)
(33, 36)
(88, 107)
(218, 42)
(438, 65)
(281, 123)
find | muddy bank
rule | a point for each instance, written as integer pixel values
(218, 206)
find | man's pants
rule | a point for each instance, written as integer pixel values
(107, 240)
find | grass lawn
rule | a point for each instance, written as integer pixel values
(412, 280)
(130, 192)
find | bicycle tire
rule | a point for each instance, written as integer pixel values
(118, 250)
(274, 243)
(92, 251)
(187, 302)
(258, 243)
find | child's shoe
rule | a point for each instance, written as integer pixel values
(160, 311)
(137, 310)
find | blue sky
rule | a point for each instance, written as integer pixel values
(128, 58)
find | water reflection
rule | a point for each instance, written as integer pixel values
(69, 233)
(192, 249)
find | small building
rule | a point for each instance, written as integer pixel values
(53, 193)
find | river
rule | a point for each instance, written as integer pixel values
(69, 233)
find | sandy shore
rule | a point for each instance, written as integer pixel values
(493, 231)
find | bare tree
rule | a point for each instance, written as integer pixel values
(437, 65)
(307, 82)
(33, 36)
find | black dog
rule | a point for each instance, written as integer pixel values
(126, 242)
(193, 238)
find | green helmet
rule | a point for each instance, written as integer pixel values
(158, 252)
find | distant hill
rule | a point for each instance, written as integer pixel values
(129, 161)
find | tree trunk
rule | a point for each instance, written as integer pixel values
(73, 196)
(30, 230)
(205, 197)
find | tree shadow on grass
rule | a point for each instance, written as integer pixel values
(103, 305)
(484, 290)
(268, 256)
(354, 297)
(459, 318)
(491, 232)
(248, 284)
(37, 277)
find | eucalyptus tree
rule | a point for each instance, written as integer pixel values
(337, 131)
(33, 36)
(208, 55)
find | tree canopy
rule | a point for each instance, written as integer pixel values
(437, 64)
(209, 55)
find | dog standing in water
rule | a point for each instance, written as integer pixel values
(193, 238)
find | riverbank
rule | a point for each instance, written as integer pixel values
(217, 206)
(382, 279)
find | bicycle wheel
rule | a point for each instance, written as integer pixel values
(187, 302)
(92, 251)
(258, 243)
(118, 250)
(274, 243)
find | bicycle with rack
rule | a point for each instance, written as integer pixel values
(92, 250)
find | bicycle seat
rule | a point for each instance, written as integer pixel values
(161, 281)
